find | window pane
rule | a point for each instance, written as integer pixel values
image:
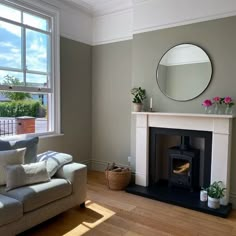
(35, 21)
(10, 45)
(11, 78)
(28, 115)
(34, 80)
(36, 51)
(10, 13)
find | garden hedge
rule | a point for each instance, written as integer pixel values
(20, 108)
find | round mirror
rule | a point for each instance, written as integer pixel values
(184, 72)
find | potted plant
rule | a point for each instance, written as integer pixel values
(215, 192)
(139, 95)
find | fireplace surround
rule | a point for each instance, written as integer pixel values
(220, 126)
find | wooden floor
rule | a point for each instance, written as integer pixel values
(119, 213)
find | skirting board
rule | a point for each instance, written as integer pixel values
(101, 165)
(87, 163)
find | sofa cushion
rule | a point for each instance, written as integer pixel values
(37, 195)
(10, 157)
(55, 160)
(20, 175)
(10, 210)
(30, 144)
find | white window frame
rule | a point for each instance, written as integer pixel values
(55, 99)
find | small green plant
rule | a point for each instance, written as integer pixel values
(215, 190)
(139, 95)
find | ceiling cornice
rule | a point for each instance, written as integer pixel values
(100, 8)
(109, 7)
(79, 4)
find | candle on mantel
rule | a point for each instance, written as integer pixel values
(150, 103)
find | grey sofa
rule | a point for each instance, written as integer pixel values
(27, 206)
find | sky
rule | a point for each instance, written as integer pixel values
(11, 45)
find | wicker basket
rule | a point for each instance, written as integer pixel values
(117, 180)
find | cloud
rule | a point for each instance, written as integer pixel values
(35, 21)
(10, 13)
(10, 55)
(37, 51)
(16, 30)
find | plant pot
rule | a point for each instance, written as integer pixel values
(213, 203)
(138, 107)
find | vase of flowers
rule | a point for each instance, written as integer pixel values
(207, 104)
(229, 105)
(218, 101)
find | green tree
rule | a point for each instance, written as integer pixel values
(14, 96)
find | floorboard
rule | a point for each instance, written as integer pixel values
(110, 213)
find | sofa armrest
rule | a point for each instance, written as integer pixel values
(75, 173)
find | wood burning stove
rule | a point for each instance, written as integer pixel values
(183, 168)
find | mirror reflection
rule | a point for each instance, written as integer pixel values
(184, 72)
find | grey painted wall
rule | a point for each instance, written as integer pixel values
(218, 39)
(118, 67)
(75, 102)
(111, 106)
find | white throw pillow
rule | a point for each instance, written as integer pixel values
(21, 175)
(10, 157)
(55, 160)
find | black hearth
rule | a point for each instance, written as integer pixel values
(183, 182)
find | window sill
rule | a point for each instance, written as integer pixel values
(49, 135)
(24, 136)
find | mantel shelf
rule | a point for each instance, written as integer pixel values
(185, 114)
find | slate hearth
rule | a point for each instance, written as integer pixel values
(177, 196)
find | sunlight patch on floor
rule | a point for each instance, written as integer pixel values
(98, 215)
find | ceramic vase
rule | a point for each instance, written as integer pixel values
(213, 203)
(203, 195)
(138, 107)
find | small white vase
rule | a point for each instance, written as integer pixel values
(213, 203)
(138, 107)
(203, 195)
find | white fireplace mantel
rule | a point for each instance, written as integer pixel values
(219, 125)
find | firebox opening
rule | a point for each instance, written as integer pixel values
(180, 158)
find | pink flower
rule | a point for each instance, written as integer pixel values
(227, 100)
(207, 103)
(216, 99)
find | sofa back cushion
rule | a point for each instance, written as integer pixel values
(10, 157)
(30, 144)
(55, 160)
(21, 175)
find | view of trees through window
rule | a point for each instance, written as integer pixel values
(25, 71)
(22, 112)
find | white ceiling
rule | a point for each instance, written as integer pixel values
(101, 7)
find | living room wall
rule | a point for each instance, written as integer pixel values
(76, 96)
(217, 38)
(111, 107)
(140, 57)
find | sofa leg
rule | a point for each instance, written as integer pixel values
(82, 205)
